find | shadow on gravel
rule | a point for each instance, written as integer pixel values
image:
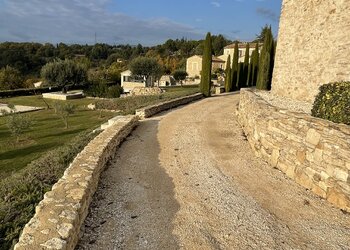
(135, 204)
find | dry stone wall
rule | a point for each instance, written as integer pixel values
(313, 47)
(157, 108)
(59, 216)
(313, 152)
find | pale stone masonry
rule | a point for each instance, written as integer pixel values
(59, 216)
(313, 47)
(160, 107)
(313, 152)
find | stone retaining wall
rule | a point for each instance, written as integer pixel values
(313, 152)
(157, 108)
(312, 48)
(59, 216)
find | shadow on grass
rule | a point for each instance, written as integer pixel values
(63, 133)
(23, 151)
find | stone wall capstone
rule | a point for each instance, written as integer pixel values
(157, 108)
(312, 48)
(313, 152)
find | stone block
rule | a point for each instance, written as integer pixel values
(313, 137)
(341, 174)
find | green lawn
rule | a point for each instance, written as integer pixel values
(46, 133)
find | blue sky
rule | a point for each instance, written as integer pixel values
(148, 22)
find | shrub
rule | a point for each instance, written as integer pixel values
(333, 102)
(102, 90)
(21, 192)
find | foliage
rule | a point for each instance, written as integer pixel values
(218, 43)
(240, 76)
(266, 62)
(21, 192)
(260, 38)
(245, 67)
(64, 110)
(228, 75)
(235, 67)
(180, 75)
(254, 66)
(145, 67)
(17, 123)
(333, 102)
(205, 85)
(128, 105)
(64, 72)
(10, 78)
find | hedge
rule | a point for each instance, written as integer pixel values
(22, 191)
(333, 102)
(35, 91)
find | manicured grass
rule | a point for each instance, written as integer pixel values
(47, 131)
(128, 105)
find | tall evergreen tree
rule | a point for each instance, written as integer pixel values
(205, 84)
(266, 62)
(228, 75)
(234, 69)
(255, 65)
(250, 70)
(245, 66)
(240, 76)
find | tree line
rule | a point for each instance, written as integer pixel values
(256, 70)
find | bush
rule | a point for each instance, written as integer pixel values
(102, 90)
(21, 192)
(333, 102)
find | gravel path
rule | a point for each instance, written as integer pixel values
(187, 179)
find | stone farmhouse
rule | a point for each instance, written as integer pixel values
(194, 65)
(229, 50)
(129, 81)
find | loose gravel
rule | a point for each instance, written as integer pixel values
(188, 179)
(285, 102)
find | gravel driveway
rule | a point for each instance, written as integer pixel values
(187, 179)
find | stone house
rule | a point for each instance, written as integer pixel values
(194, 65)
(229, 50)
(166, 80)
(129, 81)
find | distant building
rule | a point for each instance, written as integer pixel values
(167, 80)
(194, 65)
(129, 81)
(229, 50)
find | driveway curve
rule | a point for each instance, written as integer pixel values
(188, 179)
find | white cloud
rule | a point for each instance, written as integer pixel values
(76, 21)
(216, 4)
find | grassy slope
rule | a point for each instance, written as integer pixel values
(46, 133)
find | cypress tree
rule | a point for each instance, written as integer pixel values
(250, 70)
(228, 75)
(234, 69)
(240, 76)
(255, 65)
(245, 66)
(266, 62)
(205, 84)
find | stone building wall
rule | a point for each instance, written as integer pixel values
(313, 47)
(313, 152)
